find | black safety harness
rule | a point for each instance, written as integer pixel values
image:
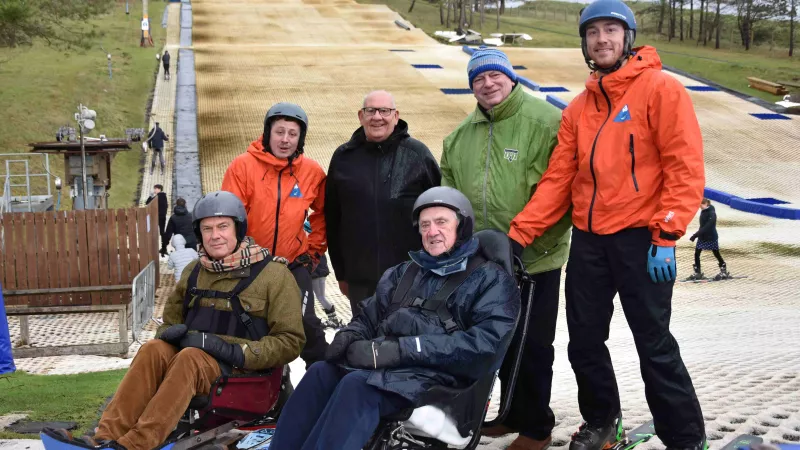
(405, 297)
(236, 322)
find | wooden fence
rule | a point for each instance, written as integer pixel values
(71, 249)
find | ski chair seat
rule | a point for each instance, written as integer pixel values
(448, 417)
(238, 397)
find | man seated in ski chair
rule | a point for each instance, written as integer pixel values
(443, 319)
(234, 311)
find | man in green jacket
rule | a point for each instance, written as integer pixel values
(496, 157)
(207, 333)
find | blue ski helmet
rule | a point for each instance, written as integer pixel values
(608, 9)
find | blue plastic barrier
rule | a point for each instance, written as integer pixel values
(559, 103)
(765, 210)
(6, 357)
(751, 206)
(718, 196)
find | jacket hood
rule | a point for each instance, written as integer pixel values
(178, 241)
(257, 150)
(180, 210)
(617, 83)
(359, 137)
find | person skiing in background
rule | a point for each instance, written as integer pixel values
(318, 285)
(707, 239)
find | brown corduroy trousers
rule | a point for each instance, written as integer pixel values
(155, 393)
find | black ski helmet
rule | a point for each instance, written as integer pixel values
(220, 204)
(608, 9)
(289, 111)
(449, 198)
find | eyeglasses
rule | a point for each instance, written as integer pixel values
(385, 112)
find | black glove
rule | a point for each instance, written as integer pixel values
(373, 355)
(516, 247)
(212, 344)
(338, 347)
(173, 334)
(694, 236)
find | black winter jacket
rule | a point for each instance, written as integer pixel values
(708, 225)
(156, 138)
(485, 306)
(181, 223)
(369, 197)
(162, 203)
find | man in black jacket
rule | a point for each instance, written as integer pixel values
(180, 223)
(155, 140)
(372, 183)
(158, 192)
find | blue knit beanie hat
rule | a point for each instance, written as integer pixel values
(486, 59)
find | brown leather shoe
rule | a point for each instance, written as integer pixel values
(526, 443)
(497, 431)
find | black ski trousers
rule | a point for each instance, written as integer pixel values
(530, 412)
(316, 345)
(600, 267)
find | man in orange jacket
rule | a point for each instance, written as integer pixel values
(629, 161)
(278, 185)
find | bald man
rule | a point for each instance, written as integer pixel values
(373, 181)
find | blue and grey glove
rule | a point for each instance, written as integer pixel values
(174, 334)
(373, 355)
(212, 344)
(307, 227)
(661, 263)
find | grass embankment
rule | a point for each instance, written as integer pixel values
(42, 87)
(74, 398)
(554, 25)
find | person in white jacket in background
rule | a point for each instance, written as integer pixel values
(181, 257)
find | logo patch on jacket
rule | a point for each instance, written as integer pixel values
(510, 154)
(296, 192)
(624, 115)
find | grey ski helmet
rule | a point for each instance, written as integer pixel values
(449, 198)
(220, 204)
(287, 111)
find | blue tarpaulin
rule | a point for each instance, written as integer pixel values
(6, 359)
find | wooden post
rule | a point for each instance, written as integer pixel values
(24, 331)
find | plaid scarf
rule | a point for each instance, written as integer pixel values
(248, 254)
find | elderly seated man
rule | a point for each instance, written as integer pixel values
(395, 349)
(204, 333)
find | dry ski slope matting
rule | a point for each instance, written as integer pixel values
(739, 338)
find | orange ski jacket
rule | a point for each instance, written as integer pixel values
(629, 154)
(277, 197)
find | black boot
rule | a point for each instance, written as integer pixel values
(698, 274)
(591, 437)
(333, 320)
(723, 272)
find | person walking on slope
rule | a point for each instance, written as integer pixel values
(155, 140)
(278, 185)
(707, 239)
(165, 60)
(629, 162)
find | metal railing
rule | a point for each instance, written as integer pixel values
(8, 185)
(143, 300)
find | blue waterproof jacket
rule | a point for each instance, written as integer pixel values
(485, 306)
(6, 358)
